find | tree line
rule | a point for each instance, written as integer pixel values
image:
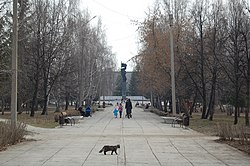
(211, 48)
(61, 55)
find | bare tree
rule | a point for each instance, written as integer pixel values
(216, 47)
(5, 52)
(235, 52)
(200, 18)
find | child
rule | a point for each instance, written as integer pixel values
(115, 112)
(120, 108)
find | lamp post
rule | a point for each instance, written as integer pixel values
(14, 68)
(172, 65)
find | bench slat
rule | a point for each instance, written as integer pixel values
(173, 120)
(169, 120)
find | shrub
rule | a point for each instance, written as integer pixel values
(225, 131)
(231, 132)
(244, 137)
(9, 136)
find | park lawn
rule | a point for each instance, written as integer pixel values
(210, 127)
(44, 121)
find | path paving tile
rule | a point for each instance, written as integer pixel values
(145, 141)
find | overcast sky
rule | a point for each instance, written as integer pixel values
(116, 16)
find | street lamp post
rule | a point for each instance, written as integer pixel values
(14, 68)
(172, 65)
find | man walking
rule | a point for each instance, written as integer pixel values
(128, 107)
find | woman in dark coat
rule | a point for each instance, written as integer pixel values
(128, 107)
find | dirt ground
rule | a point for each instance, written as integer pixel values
(242, 147)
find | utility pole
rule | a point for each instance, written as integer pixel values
(172, 65)
(14, 68)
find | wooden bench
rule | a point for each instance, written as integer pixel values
(178, 120)
(183, 120)
(168, 120)
(77, 118)
(174, 120)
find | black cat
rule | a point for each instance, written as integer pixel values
(107, 148)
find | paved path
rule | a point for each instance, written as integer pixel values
(144, 140)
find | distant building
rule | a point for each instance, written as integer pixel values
(117, 98)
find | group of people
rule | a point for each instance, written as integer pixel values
(86, 113)
(119, 108)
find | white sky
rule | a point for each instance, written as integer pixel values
(116, 17)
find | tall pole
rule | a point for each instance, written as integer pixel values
(172, 65)
(14, 68)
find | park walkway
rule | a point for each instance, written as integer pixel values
(144, 139)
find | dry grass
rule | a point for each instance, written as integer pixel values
(44, 121)
(10, 136)
(7, 137)
(222, 126)
(210, 127)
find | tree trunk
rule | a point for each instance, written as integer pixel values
(67, 101)
(34, 100)
(184, 107)
(57, 106)
(158, 105)
(248, 84)
(236, 104)
(45, 105)
(154, 101)
(236, 70)
(2, 106)
(204, 107)
(193, 104)
(248, 95)
(76, 105)
(165, 106)
(203, 83)
(211, 105)
(210, 111)
(45, 99)
(235, 115)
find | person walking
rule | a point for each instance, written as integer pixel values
(120, 109)
(128, 107)
(115, 111)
